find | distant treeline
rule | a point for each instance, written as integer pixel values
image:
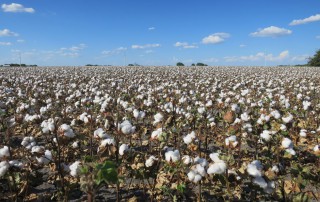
(17, 65)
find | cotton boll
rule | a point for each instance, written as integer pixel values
(75, 144)
(127, 128)
(158, 118)
(245, 117)
(254, 168)
(303, 133)
(156, 134)
(217, 168)
(283, 127)
(260, 181)
(150, 161)
(189, 138)
(202, 161)
(231, 140)
(286, 143)
(172, 156)
(275, 114)
(123, 148)
(291, 151)
(16, 163)
(288, 118)
(265, 135)
(275, 169)
(66, 130)
(75, 168)
(4, 152)
(4, 167)
(197, 178)
(201, 170)
(100, 133)
(186, 159)
(191, 174)
(46, 158)
(37, 149)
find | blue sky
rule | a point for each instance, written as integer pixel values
(115, 32)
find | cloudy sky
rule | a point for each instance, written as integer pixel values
(163, 32)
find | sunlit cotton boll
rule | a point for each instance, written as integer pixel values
(75, 144)
(303, 133)
(186, 159)
(189, 138)
(245, 117)
(100, 133)
(275, 114)
(123, 148)
(254, 168)
(46, 158)
(138, 114)
(28, 142)
(201, 110)
(194, 176)
(150, 161)
(4, 167)
(306, 104)
(286, 143)
(75, 168)
(157, 118)
(288, 118)
(66, 130)
(232, 140)
(127, 128)
(172, 156)
(217, 168)
(156, 134)
(4, 152)
(16, 163)
(265, 135)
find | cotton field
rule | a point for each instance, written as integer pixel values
(160, 133)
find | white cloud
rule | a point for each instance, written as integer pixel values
(242, 45)
(318, 37)
(312, 18)
(271, 31)
(215, 38)
(5, 44)
(149, 51)
(78, 47)
(300, 58)
(20, 41)
(151, 28)
(260, 56)
(211, 60)
(114, 52)
(7, 32)
(185, 45)
(145, 46)
(14, 7)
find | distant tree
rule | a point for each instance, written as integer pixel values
(193, 64)
(130, 65)
(315, 60)
(180, 64)
(201, 64)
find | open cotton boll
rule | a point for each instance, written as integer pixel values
(306, 104)
(186, 159)
(28, 142)
(201, 110)
(4, 167)
(201, 170)
(291, 151)
(283, 127)
(100, 133)
(4, 152)
(46, 158)
(217, 168)
(123, 148)
(265, 135)
(316, 148)
(75, 168)
(232, 139)
(16, 163)
(288, 118)
(286, 143)
(127, 128)
(191, 174)
(202, 161)
(66, 130)
(156, 134)
(157, 118)
(275, 114)
(303, 133)
(260, 181)
(189, 138)
(150, 161)
(75, 144)
(245, 117)
(172, 156)
(254, 168)
(275, 169)
(37, 149)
